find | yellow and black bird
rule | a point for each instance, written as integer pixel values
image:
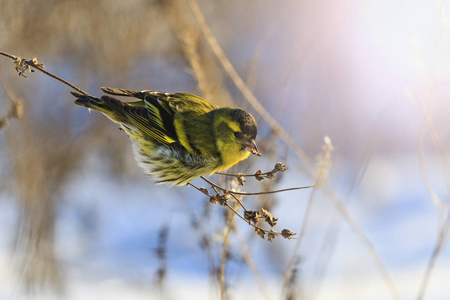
(178, 136)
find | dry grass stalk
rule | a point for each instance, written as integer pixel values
(444, 213)
(41, 165)
(203, 67)
(40, 171)
(251, 263)
(161, 255)
(16, 108)
(322, 171)
(226, 240)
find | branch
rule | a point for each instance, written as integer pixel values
(23, 65)
(257, 193)
(251, 217)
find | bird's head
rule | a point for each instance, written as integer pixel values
(244, 130)
(235, 132)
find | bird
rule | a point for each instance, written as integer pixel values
(177, 137)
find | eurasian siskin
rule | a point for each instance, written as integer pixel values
(177, 137)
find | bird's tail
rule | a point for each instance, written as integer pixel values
(89, 102)
(109, 106)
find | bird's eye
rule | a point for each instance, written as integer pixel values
(238, 134)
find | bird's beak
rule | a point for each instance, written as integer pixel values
(251, 147)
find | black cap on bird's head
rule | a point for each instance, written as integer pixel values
(247, 123)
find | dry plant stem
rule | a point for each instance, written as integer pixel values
(445, 225)
(291, 264)
(16, 108)
(433, 195)
(224, 257)
(205, 245)
(366, 242)
(288, 139)
(433, 259)
(259, 50)
(239, 215)
(31, 64)
(238, 201)
(257, 193)
(272, 192)
(360, 235)
(438, 202)
(245, 175)
(250, 263)
(190, 47)
(435, 138)
(230, 207)
(445, 222)
(161, 255)
(198, 189)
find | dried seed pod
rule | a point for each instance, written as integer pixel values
(270, 175)
(271, 235)
(252, 216)
(280, 167)
(287, 233)
(258, 175)
(213, 199)
(240, 178)
(204, 191)
(222, 199)
(268, 217)
(260, 232)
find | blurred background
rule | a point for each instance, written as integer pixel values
(79, 220)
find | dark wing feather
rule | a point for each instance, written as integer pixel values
(183, 102)
(149, 119)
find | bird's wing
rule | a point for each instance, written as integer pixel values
(172, 115)
(151, 119)
(183, 102)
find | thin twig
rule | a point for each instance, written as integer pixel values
(272, 192)
(436, 140)
(238, 201)
(444, 221)
(39, 68)
(245, 175)
(259, 50)
(9, 55)
(250, 263)
(224, 257)
(366, 242)
(320, 178)
(256, 193)
(433, 259)
(205, 191)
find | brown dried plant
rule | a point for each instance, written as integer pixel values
(221, 196)
(15, 110)
(41, 165)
